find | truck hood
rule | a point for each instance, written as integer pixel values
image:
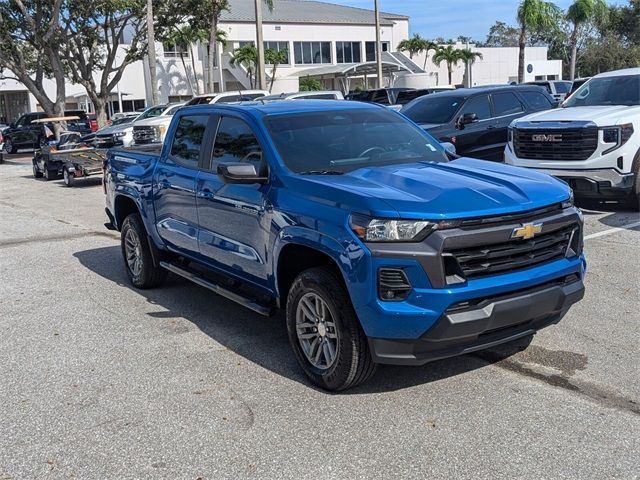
(115, 129)
(601, 115)
(463, 188)
(155, 121)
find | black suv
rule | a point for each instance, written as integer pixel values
(476, 119)
(382, 96)
(25, 134)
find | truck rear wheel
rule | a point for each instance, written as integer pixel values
(325, 333)
(50, 174)
(136, 252)
(68, 178)
(36, 173)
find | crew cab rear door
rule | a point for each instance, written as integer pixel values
(174, 183)
(235, 219)
(506, 107)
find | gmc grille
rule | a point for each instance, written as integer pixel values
(516, 254)
(555, 144)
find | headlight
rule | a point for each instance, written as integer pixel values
(568, 202)
(161, 129)
(119, 134)
(385, 230)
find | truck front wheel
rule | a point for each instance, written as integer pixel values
(325, 333)
(136, 252)
(634, 197)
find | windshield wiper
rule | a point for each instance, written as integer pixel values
(321, 172)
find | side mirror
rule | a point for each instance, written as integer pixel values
(467, 118)
(450, 148)
(240, 173)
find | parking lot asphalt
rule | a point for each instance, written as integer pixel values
(99, 380)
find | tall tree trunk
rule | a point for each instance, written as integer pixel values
(193, 68)
(426, 57)
(186, 73)
(213, 30)
(101, 110)
(151, 41)
(450, 70)
(260, 73)
(521, 44)
(574, 52)
(273, 77)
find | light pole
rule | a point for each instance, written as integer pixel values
(378, 45)
(260, 76)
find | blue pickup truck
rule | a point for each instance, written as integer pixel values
(380, 245)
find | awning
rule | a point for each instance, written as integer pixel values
(351, 70)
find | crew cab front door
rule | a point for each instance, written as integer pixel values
(475, 139)
(174, 185)
(235, 219)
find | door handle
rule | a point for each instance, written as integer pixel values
(206, 194)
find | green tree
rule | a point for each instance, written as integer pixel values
(308, 84)
(450, 55)
(416, 45)
(533, 15)
(93, 39)
(502, 35)
(29, 37)
(274, 58)
(582, 12)
(246, 56)
(469, 57)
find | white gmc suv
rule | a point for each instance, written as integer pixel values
(592, 142)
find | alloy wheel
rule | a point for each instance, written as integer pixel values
(133, 252)
(316, 331)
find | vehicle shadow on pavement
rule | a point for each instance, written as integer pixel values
(260, 340)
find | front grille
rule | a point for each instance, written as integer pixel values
(104, 141)
(513, 255)
(144, 134)
(393, 284)
(555, 144)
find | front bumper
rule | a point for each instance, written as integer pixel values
(604, 183)
(468, 327)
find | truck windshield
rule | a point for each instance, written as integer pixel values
(340, 141)
(617, 90)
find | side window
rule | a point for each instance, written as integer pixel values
(536, 100)
(21, 121)
(506, 104)
(381, 97)
(230, 99)
(478, 105)
(188, 140)
(236, 142)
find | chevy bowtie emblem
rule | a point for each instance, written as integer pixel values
(527, 231)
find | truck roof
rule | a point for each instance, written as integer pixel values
(282, 108)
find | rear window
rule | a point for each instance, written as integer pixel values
(201, 100)
(188, 139)
(405, 97)
(536, 100)
(506, 104)
(563, 87)
(433, 108)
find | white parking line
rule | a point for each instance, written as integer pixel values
(612, 230)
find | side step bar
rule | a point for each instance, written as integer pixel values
(201, 280)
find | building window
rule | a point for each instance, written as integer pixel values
(173, 50)
(370, 48)
(348, 52)
(311, 52)
(278, 47)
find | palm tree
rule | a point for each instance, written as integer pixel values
(579, 13)
(274, 58)
(469, 57)
(533, 15)
(186, 36)
(247, 56)
(416, 45)
(450, 55)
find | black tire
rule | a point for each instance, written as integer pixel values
(145, 274)
(9, 147)
(353, 363)
(69, 180)
(36, 173)
(50, 174)
(633, 200)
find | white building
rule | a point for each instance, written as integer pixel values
(333, 43)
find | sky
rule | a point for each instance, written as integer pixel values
(452, 18)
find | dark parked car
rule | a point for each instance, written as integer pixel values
(406, 96)
(382, 96)
(577, 83)
(558, 89)
(476, 119)
(25, 133)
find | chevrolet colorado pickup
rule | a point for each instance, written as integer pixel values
(592, 142)
(352, 219)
